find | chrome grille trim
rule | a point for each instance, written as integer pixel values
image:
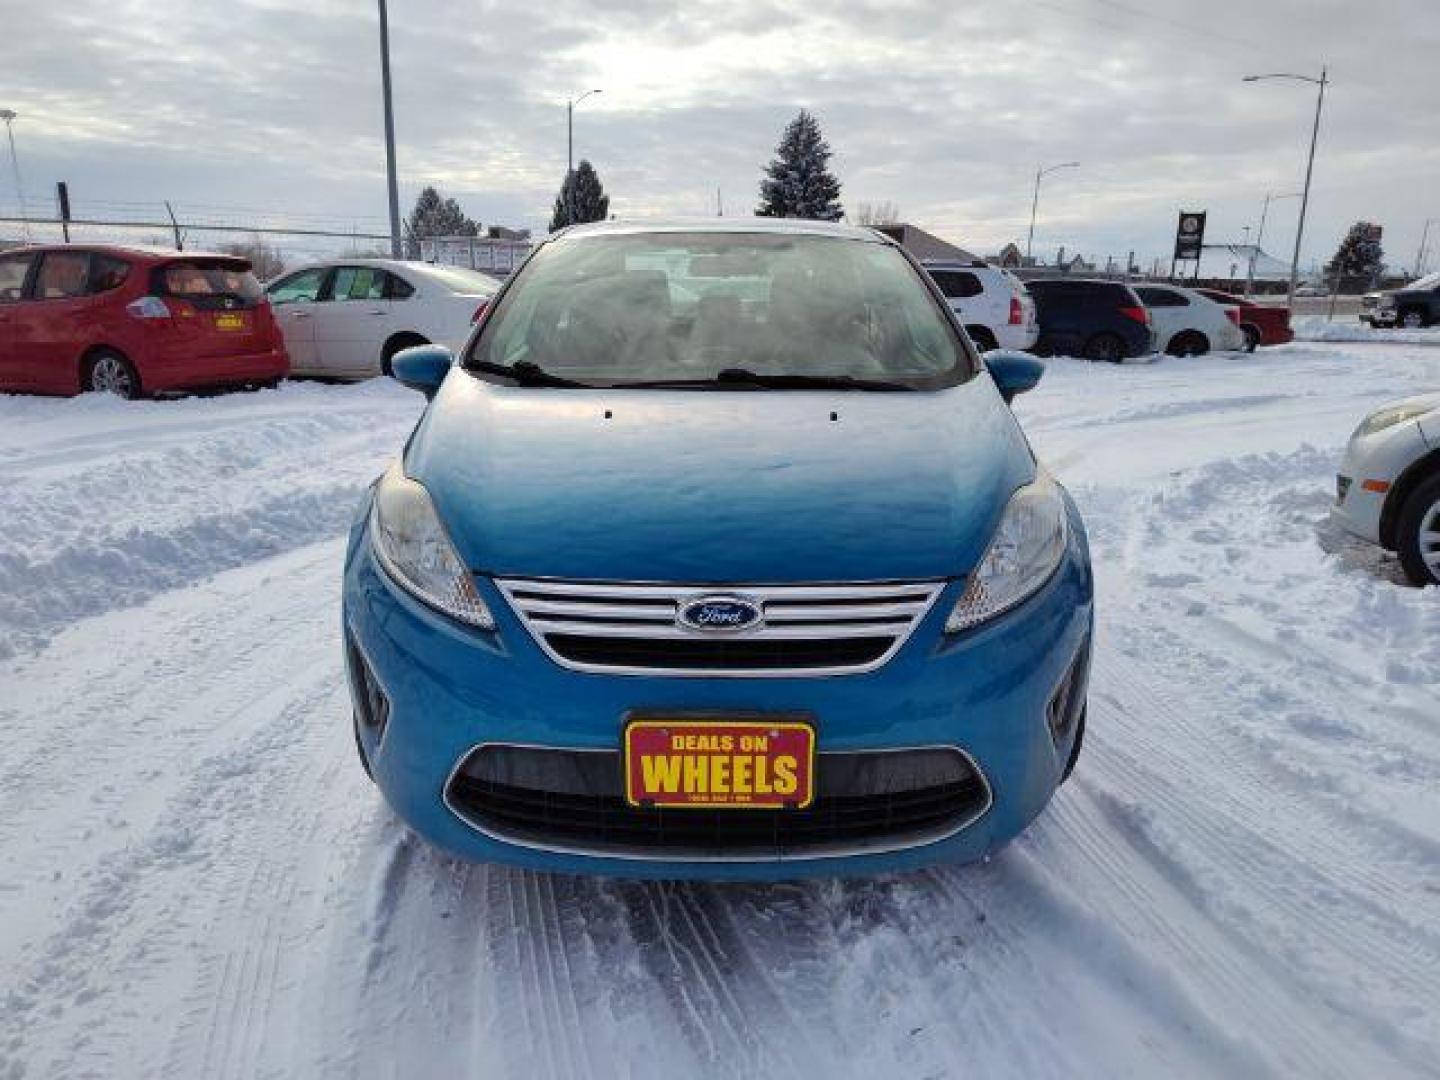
(646, 611)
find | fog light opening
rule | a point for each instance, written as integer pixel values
(372, 705)
(1069, 697)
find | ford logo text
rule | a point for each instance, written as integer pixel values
(719, 613)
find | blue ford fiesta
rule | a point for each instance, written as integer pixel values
(718, 554)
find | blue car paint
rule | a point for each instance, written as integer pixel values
(454, 687)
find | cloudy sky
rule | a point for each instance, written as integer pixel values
(247, 108)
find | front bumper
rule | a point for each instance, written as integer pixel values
(1370, 467)
(450, 689)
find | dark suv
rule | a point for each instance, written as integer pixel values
(1100, 320)
(1416, 306)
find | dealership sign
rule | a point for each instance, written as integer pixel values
(1190, 234)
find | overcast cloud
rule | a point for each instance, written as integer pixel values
(943, 108)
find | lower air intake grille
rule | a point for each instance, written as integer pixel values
(572, 801)
(797, 630)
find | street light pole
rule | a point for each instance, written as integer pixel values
(1321, 82)
(9, 115)
(1035, 201)
(1424, 239)
(570, 152)
(389, 134)
(1260, 235)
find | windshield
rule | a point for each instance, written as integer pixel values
(697, 307)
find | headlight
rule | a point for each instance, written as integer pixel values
(1385, 418)
(411, 545)
(1023, 553)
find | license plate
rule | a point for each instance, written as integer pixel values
(719, 764)
(229, 322)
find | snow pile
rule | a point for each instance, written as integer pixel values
(182, 490)
(1326, 330)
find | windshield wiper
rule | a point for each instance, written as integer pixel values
(746, 377)
(527, 373)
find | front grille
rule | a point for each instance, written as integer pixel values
(573, 801)
(802, 630)
(1342, 488)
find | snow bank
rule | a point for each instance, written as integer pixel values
(1356, 331)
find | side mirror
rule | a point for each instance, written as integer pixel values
(1013, 372)
(422, 367)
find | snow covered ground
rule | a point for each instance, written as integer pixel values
(1242, 879)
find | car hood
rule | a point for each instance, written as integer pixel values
(718, 486)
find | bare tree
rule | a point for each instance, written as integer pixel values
(881, 213)
(265, 259)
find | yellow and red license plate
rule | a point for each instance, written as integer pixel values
(719, 764)
(230, 322)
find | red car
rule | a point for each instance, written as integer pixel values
(133, 321)
(1261, 324)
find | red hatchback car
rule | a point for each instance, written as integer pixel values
(133, 321)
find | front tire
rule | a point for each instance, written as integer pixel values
(1105, 347)
(1417, 533)
(109, 372)
(1414, 320)
(1252, 338)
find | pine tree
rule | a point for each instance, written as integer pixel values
(436, 216)
(798, 183)
(1360, 254)
(582, 198)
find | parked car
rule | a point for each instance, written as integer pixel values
(132, 321)
(349, 318)
(1262, 324)
(1388, 487)
(1100, 320)
(1189, 324)
(1414, 307)
(769, 589)
(993, 304)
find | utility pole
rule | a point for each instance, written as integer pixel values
(9, 116)
(1321, 82)
(389, 133)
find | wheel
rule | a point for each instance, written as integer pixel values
(1075, 746)
(394, 345)
(111, 373)
(1417, 533)
(1252, 338)
(1105, 347)
(1188, 343)
(984, 340)
(1414, 320)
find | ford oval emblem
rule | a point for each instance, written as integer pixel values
(713, 613)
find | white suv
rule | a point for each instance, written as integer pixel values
(993, 304)
(1388, 488)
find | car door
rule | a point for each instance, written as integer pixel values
(14, 270)
(52, 323)
(352, 323)
(294, 300)
(1169, 312)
